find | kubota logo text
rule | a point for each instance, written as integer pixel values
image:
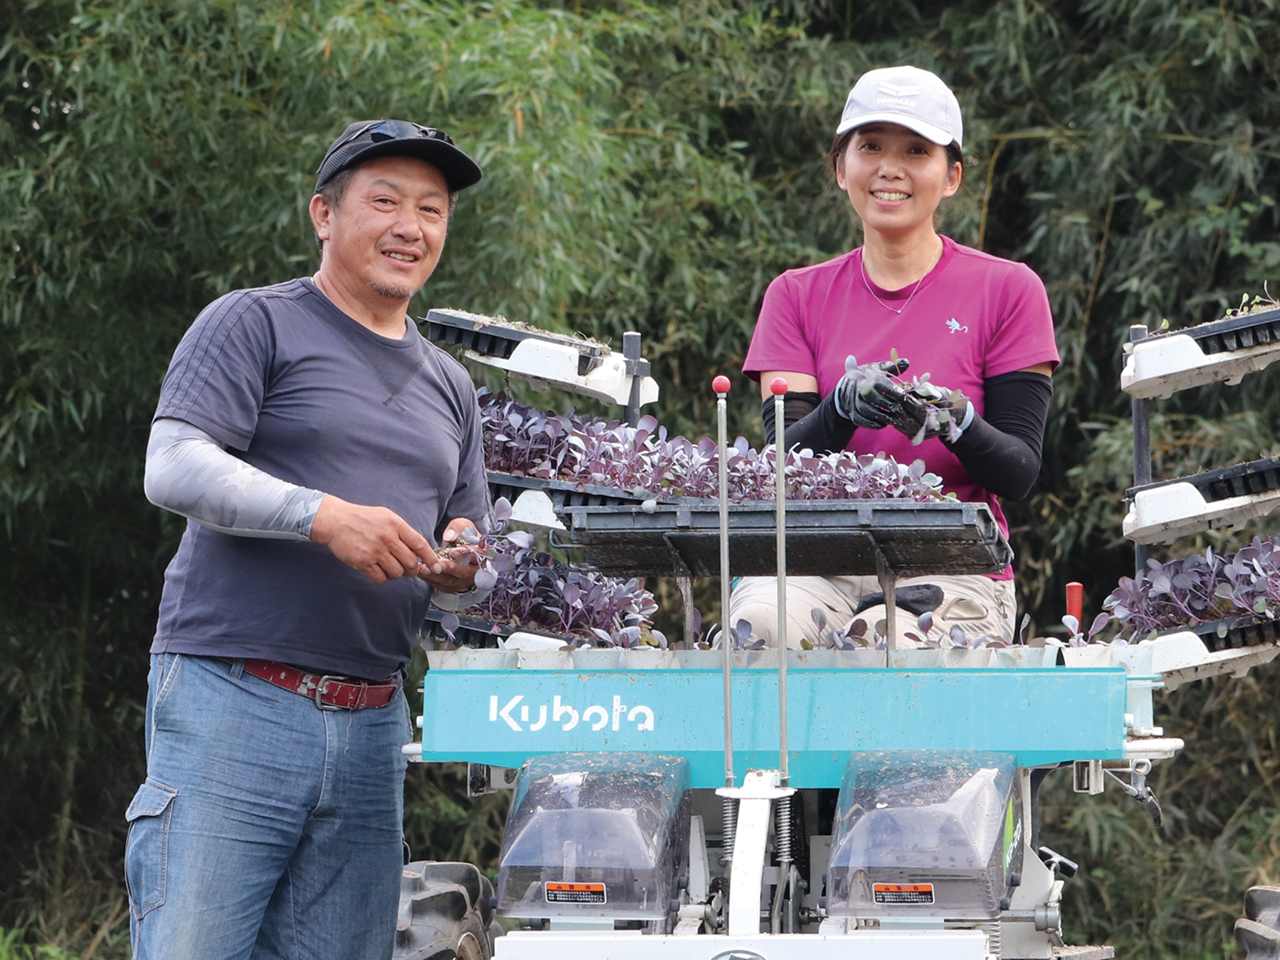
(515, 712)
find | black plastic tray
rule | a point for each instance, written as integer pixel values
(1234, 333)
(1240, 632)
(563, 493)
(471, 632)
(1257, 476)
(477, 632)
(824, 538)
(490, 337)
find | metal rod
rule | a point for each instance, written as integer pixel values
(721, 386)
(775, 909)
(795, 893)
(1141, 451)
(631, 351)
(779, 388)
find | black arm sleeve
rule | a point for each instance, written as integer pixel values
(812, 424)
(1002, 451)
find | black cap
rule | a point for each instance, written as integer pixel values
(367, 139)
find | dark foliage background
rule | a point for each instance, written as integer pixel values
(647, 168)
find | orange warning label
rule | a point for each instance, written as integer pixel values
(561, 892)
(905, 893)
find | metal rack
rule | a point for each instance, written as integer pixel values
(1161, 364)
(1162, 511)
(625, 534)
(546, 359)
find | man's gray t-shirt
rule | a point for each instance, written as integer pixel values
(298, 389)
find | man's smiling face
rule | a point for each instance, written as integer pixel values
(385, 236)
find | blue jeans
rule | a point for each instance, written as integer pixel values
(266, 828)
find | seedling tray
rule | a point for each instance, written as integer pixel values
(1164, 363)
(491, 337)
(1237, 333)
(1245, 479)
(562, 493)
(1228, 496)
(478, 632)
(824, 538)
(471, 632)
(1241, 480)
(1234, 633)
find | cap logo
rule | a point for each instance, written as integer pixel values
(900, 90)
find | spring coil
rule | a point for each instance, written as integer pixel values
(729, 820)
(993, 931)
(782, 829)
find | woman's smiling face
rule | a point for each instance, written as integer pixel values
(895, 178)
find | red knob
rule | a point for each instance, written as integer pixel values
(720, 385)
(778, 386)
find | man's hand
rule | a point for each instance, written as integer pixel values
(456, 571)
(374, 540)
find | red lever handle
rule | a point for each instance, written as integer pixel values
(1075, 601)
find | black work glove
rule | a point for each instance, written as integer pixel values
(866, 397)
(940, 412)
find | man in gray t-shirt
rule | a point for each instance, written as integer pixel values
(323, 452)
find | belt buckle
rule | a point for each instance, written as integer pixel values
(319, 690)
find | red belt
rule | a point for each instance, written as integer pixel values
(328, 692)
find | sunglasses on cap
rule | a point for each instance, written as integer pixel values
(380, 130)
(366, 139)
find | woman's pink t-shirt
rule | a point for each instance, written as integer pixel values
(973, 317)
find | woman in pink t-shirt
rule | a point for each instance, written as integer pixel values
(978, 325)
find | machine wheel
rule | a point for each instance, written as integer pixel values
(1259, 930)
(445, 913)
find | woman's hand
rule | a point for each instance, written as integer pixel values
(945, 415)
(866, 396)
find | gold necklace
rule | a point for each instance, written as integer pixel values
(862, 262)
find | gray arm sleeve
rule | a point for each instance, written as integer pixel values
(190, 473)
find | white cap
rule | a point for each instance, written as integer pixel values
(909, 96)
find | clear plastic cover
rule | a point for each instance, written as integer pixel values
(925, 834)
(596, 835)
